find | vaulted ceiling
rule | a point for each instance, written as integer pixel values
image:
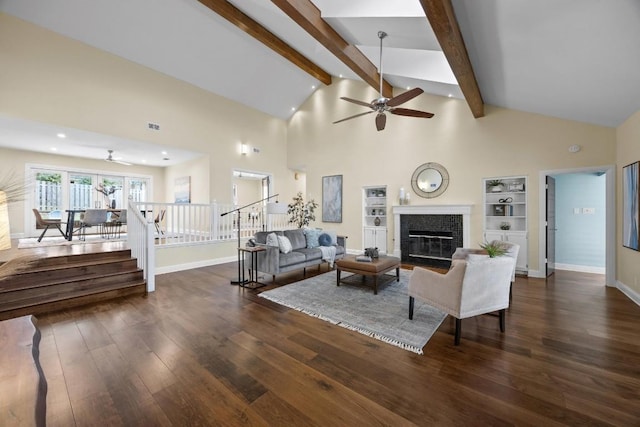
(572, 59)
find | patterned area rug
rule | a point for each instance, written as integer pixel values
(384, 316)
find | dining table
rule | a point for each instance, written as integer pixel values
(71, 215)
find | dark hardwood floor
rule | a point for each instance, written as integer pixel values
(200, 351)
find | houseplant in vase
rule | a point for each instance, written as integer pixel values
(495, 185)
(301, 213)
(494, 249)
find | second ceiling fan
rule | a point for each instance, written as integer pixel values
(384, 105)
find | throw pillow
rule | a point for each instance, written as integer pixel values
(325, 240)
(285, 244)
(312, 235)
(272, 239)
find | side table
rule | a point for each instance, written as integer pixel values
(253, 251)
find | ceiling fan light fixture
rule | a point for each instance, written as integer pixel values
(383, 105)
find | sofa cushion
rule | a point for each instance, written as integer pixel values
(272, 240)
(311, 254)
(285, 244)
(296, 237)
(261, 236)
(291, 258)
(312, 234)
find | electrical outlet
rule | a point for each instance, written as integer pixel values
(153, 126)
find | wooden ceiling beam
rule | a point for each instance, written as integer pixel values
(307, 15)
(443, 21)
(266, 37)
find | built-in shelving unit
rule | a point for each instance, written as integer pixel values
(374, 217)
(505, 213)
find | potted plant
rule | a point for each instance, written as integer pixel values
(495, 185)
(505, 226)
(301, 213)
(494, 249)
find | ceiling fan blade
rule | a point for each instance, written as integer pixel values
(404, 97)
(381, 120)
(353, 117)
(411, 113)
(355, 101)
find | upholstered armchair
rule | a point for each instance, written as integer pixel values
(474, 286)
(512, 251)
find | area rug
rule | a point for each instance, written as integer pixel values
(32, 242)
(384, 316)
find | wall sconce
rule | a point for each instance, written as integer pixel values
(244, 149)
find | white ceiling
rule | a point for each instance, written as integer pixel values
(572, 59)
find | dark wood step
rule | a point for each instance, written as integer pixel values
(38, 278)
(137, 290)
(30, 285)
(70, 289)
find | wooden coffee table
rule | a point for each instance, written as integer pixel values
(375, 268)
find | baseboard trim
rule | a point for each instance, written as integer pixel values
(196, 264)
(581, 268)
(632, 294)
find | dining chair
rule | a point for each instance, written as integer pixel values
(47, 223)
(158, 221)
(91, 218)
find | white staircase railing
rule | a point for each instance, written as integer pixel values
(154, 225)
(140, 238)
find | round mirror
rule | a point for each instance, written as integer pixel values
(430, 180)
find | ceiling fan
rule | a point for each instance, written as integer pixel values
(112, 159)
(384, 105)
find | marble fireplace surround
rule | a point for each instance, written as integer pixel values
(464, 210)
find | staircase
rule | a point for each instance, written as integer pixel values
(34, 285)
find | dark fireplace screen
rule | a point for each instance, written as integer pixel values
(430, 239)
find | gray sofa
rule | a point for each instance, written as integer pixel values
(273, 261)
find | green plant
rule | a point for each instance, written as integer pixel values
(505, 226)
(301, 213)
(494, 249)
(494, 182)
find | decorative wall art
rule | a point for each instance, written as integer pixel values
(332, 198)
(183, 189)
(630, 211)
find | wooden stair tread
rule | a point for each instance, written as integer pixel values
(41, 284)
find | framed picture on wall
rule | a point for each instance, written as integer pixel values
(332, 198)
(183, 189)
(630, 211)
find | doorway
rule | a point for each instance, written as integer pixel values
(573, 217)
(252, 188)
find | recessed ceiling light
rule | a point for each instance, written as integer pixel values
(61, 135)
(293, 108)
(164, 153)
(313, 86)
(408, 87)
(144, 161)
(450, 96)
(54, 149)
(340, 76)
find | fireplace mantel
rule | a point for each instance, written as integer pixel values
(464, 210)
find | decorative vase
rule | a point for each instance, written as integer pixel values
(376, 221)
(113, 204)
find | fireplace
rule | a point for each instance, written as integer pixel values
(428, 235)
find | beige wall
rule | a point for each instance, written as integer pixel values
(198, 171)
(503, 143)
(15, 161)
(53, 79)
(628, 151)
